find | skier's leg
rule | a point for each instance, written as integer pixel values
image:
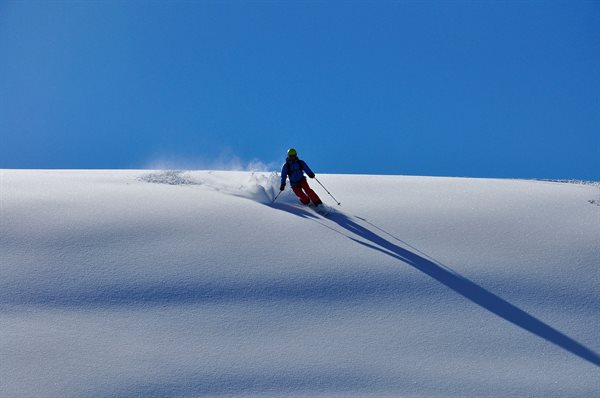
(311, 194)
(300, 194)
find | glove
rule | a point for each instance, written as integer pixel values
(311, 175)
(281, 188)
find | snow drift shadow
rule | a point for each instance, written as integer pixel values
(322, 288)
(462, 286)
(314, 382)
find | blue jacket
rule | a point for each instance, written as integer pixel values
(296, 171)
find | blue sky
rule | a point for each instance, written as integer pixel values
(464, 88)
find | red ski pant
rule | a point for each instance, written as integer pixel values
(305, 193)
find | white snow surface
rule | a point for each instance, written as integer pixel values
(192, 284)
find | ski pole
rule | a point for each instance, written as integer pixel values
(336, 201)
(276, 197)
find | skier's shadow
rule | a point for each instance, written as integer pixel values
(460, 285)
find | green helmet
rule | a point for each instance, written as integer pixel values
(292, 152)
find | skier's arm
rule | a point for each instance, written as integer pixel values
(307, 169)
(283, 177)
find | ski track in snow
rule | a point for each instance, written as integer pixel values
(258, 186)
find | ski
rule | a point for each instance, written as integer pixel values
(321, 209)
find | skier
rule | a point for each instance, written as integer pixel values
(294, 168)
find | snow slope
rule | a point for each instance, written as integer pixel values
(190, 284)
